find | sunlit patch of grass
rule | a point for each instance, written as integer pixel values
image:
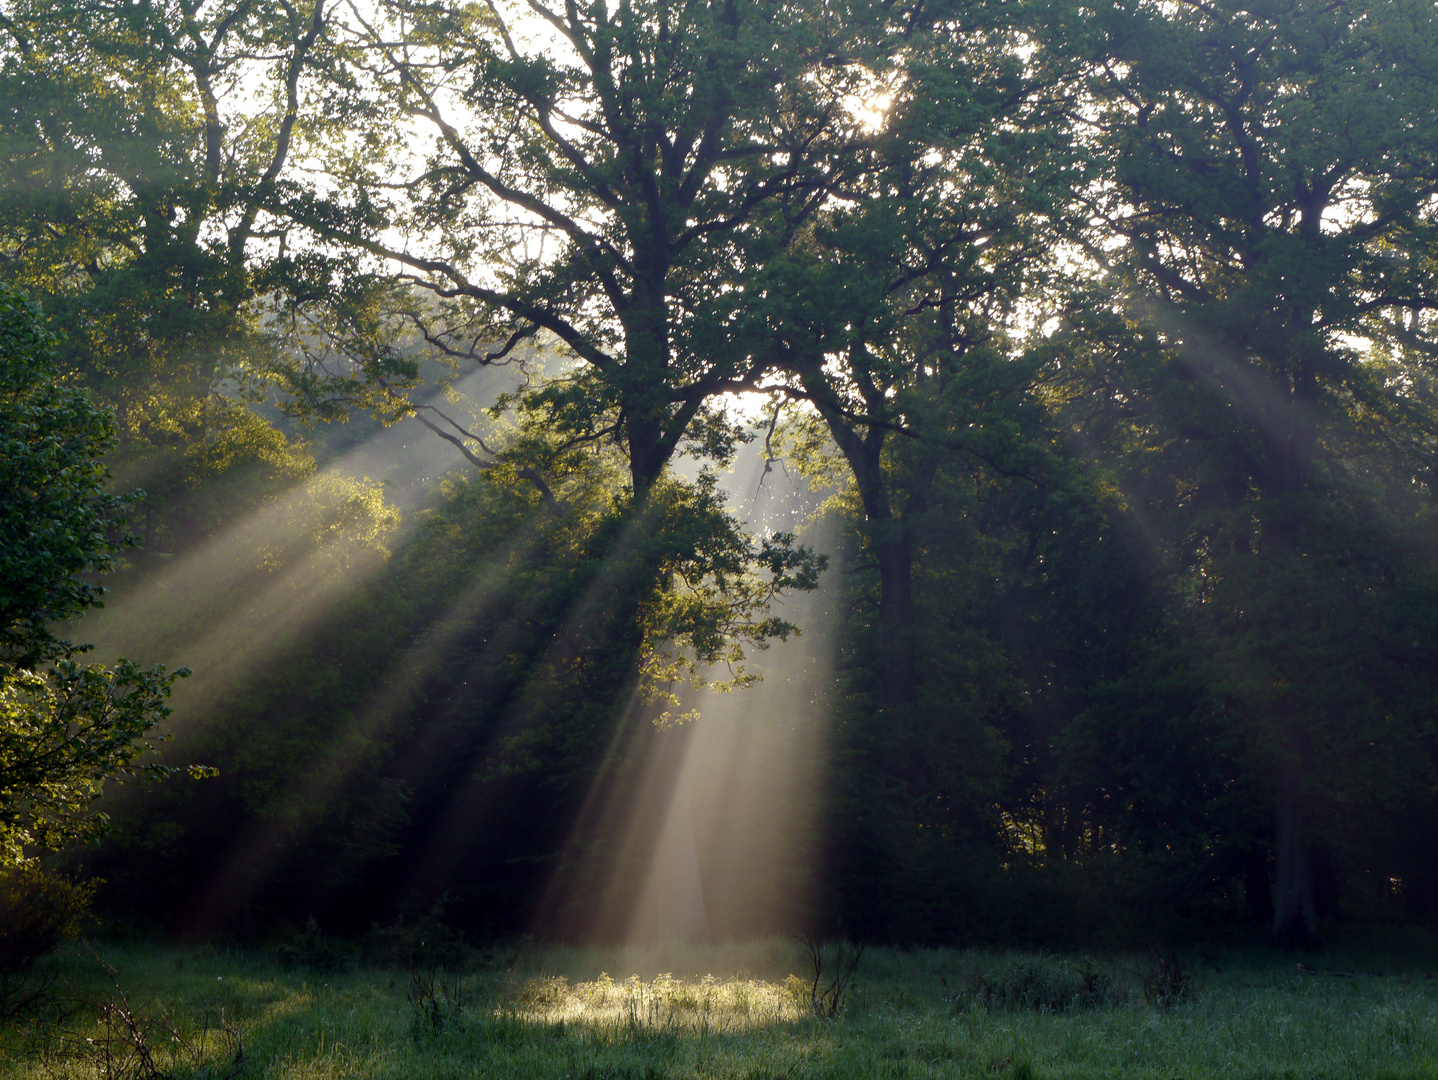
(663, 1003)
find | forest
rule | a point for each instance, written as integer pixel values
(921, 472)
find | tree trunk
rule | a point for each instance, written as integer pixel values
(1295, 915)
(1291, 440)
(898, 673)
(647, 456)
(889, 534)
(1257, 886)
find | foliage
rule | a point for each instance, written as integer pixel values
(634, 201)
(1104, 337)
(206, 464)
(1272, 184)
(145, 153)
(65, 728)
(719, 593)
(426, 944)
(62, 735)
(310, 950)
(56, 518)
(143, 173)
(38, 910)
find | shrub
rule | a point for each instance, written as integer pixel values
(1043, 984)
(832, 977)
(428, 943)
(37, 910)
(437, 1004)
(311, 949)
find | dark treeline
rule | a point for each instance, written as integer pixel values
(1089, 359)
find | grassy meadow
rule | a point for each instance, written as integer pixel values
(740, 1011)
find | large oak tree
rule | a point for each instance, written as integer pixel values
(621, 180)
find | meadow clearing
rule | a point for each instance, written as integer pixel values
(122, 1010)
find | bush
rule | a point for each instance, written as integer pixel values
(427, 944)
(310, 949)
(37, 911)
(1043, 984)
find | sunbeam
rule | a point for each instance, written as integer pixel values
(709, 831)
(276, 571)
(448, 840)
(251, 860)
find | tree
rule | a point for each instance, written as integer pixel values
(64, 728)
(144, 153)
(1271, 200)
(142, 178)
(706, 199)
(617, 180)
(924, 261)
(615, 188)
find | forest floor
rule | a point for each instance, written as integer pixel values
(131, 1010)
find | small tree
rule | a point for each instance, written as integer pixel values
(64, 727)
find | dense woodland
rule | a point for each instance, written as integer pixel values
(1051, 385)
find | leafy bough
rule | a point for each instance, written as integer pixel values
(63, 732)
(717, 600)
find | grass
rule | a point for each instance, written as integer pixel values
(741, 1011)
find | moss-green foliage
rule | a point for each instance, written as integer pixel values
(56, 517)
(204, 464)
(723, 1012)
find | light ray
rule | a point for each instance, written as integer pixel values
(251, 570)
(257, 571)
(448, 841)
(710, 831)
(256, 851)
